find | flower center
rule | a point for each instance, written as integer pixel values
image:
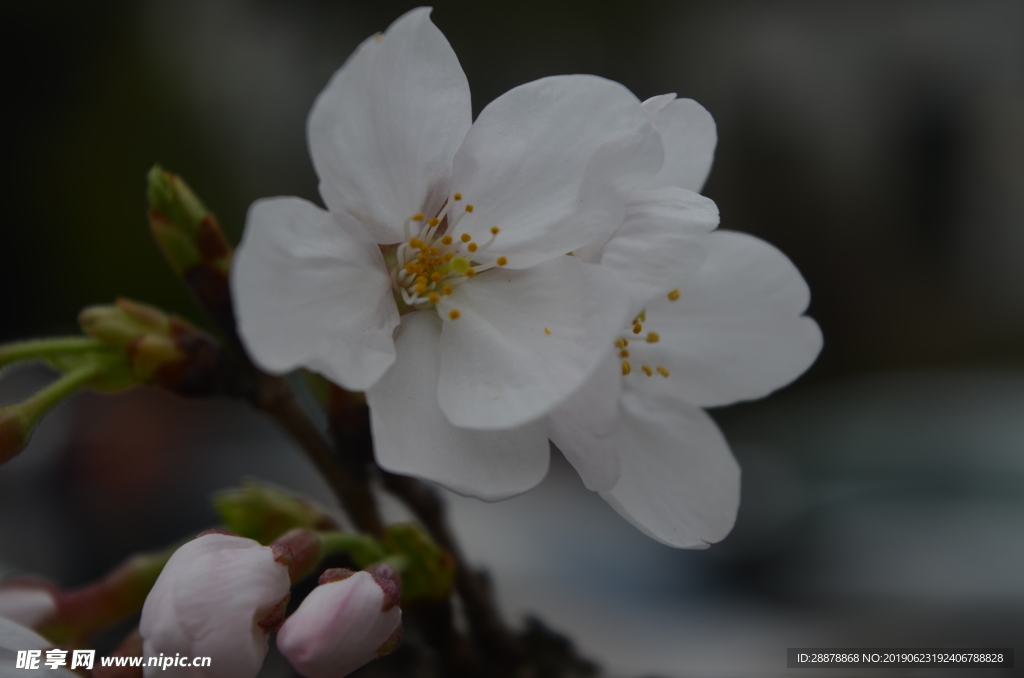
(436, 257)
(635, 333)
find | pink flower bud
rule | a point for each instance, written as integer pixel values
(218, 596)
(347, 621)
(26, 605)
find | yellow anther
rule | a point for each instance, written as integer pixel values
(495, 230)
(674, 295)
(626, 369)
(653, 337)
(421, 289)
(471, 247)
(416, 243)
(434, 297)
(421, 280)
(447, 240)
(470, 272)
(623, 353)
(662, 371)
(433, 221)
(547, 331)
(419, 216)
(647, 370)
(447, 289)
(448, 257)
(454, 314)
(410, 268)
(637, 328)
(457, 196)
(469, 208)
(436, 277)
(501, 261)
(620, 343)
(465, 237)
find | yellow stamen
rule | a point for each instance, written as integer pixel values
(471, 247)
(416, 243)
(623, 353)
(469, 208)
(434, 221)
(470, 272)
(547, 331)
(457, 196)
(446, 290)
(637, 328)
(436, 277)
(454, 314)
(653, 337)
(421, 289)
(421, 280)
(447, 240)
(465, 237)
(494, 230)
(501, 261)
(418, 216)
(434, 297)
(626, 369)
(647, 370)
(673, 295)
(662, 371)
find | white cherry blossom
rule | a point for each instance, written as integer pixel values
(718, 318)
(438, 279)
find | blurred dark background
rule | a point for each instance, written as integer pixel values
(879, 144)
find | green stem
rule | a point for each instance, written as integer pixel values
(46, 348)
(34, 408)
(363, 549)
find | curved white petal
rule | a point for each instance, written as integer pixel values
(689, 135)
(383, 132)
(26, 605)
(411, 435)
(14, 637)
(584, 427)
(525, 340)
(310, 290)
(661, 241)
(736, 332)
(208, 602)
(551, 163)
(678, 483)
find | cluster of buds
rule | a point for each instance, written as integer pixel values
(222, 595)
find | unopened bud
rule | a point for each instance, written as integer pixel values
(161, 348)
(264, 513)
(346, 622)
(430, 570)
(218, 596)
(14, 432)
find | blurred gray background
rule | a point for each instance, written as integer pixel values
(879, 144)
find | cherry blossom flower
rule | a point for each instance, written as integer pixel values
(218, 596)
(717, 319)
(350, 619)
(438, 278)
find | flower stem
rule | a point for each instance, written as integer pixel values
(45, 348)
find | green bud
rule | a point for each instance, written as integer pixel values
(145, 333)
(264, 513)
(429, 570)
(187, 232)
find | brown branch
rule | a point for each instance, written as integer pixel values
(486, 624)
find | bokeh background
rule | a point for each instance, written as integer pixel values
(879, 144)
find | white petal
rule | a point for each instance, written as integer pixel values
(311, 290)
(525, 340)
(736, 332)
(25, 605)
(678, 480)
(412, 436)
(689, 135)
(660, 242)
(550, 163)
(208, 601)
(584, 427)
(383, 132)
(14, 637)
